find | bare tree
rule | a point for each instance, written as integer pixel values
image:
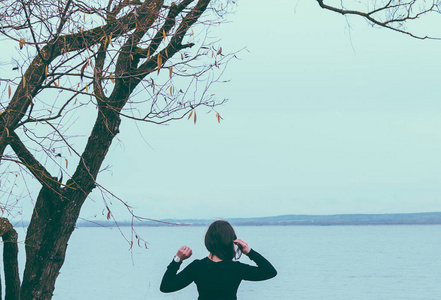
(121, 57)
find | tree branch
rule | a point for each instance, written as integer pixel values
(386, 24)
(33, 165)
(35, 74)
(147, 15)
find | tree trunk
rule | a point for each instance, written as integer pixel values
(57, 210)
(46, 243)
(10, 260)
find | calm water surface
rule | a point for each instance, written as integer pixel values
(313, 263)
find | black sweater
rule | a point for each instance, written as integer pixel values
(216, 280)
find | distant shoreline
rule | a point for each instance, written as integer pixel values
(430, 218)
(425, 218)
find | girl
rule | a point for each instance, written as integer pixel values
(217, 276)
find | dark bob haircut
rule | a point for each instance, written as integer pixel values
(219, 240)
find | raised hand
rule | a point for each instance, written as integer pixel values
(243, 245)
(184, 252)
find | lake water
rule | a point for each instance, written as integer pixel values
(313, 263)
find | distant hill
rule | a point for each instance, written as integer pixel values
(346, 219)
(430, 218)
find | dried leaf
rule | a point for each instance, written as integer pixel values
(171, 71)
(108, 214)
(111, 78)
(195, 117)
(163, 32)
(172, 89)
(219, 51)
(1, 208)
(83, 68)
(159, 62)
(24, 81)
(22, 42)
(189, 116)
(9, 91)
(110, 39)
(66, 162)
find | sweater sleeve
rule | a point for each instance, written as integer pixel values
(264, 270)
(173, 281)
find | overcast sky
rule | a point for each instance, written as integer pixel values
(326, 115)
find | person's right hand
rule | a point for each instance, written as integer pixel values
(184, 252)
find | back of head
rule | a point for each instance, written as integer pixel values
(219, 240)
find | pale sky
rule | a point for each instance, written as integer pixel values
(326, 115)
(321, 119)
